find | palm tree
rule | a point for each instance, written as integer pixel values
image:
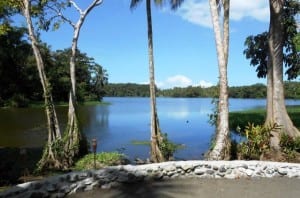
(221, 148)
(156, 154)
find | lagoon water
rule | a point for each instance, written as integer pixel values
(125, 120)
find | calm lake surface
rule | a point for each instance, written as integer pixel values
(115, 126)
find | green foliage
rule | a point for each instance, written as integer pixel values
(242, 118)
(18, 100)
(257, 46)
(258, 140)
(19, 76)
(167, 147)
(139, 142)
(127, 89)
(102, 159)
(289, 144)
(257, 116)
(296, 41)
(213, 117)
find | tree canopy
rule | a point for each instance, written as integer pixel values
(18, 75)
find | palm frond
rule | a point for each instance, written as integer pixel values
(134, 3)
(175, 4)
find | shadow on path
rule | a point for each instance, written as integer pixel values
(193, 187)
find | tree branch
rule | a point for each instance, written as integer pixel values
(91, 6)
(76, 6)
(60, 14)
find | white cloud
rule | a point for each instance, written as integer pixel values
(205, 84)
(180, 81)
(257, 9)
(198, 12)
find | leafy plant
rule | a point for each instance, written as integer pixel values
(289, 144)
(258, 140)
(168, 148)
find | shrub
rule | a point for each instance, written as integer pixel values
(289, 144)
(18, 100)
(258, 140)
(167, 147)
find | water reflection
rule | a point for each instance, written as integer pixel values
(115, 126)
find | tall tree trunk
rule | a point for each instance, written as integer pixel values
(73, 136)
(156, 137)
(50, 158)
(269, 111)
(75, 141)
(222, 143)
(279, 112)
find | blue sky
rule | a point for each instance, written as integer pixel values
(184, 46)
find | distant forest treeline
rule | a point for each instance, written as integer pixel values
(292, 91)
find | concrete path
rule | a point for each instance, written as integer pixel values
(208, 188)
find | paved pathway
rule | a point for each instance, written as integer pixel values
(208, 188)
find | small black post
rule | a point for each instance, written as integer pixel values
(94, 145)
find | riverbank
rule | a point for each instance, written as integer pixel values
(257, 116)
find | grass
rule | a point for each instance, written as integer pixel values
(101, 160)
(140, 142)
(65, 104)
(257, 116)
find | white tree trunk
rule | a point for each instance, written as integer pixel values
(74, 136)
(220, 150)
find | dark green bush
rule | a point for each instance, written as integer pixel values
(289, 144)
(18, 100)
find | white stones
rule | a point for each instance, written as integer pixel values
(187, 167)
(114, 176)
(249, 172)
(200, 171)
(282, 171)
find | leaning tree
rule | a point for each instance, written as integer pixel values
(30, 9)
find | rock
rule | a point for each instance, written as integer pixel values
(282, 171)
(187, 167)
(72, 177)
(35, 194)
(123, 178)
(106, 186)
(200, 171)
(57, 195)
(222, 169)
(221, 174)
(249, 172)
(230, 176)
(210, 172)
(170, 168)
(88, 181)
(50, 188)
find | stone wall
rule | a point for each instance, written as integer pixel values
(62, 185)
